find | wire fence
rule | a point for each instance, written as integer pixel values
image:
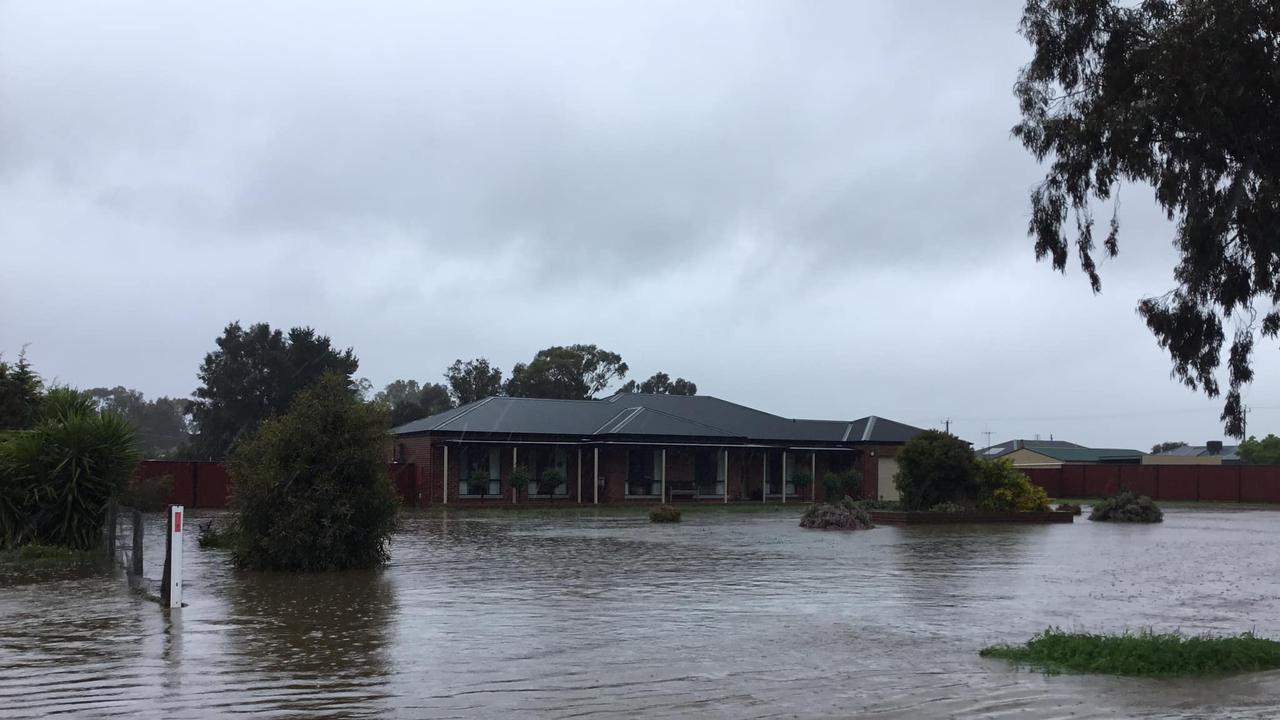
(124, 537)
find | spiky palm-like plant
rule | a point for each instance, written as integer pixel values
(57, 478)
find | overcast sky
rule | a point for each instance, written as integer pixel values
(811, 208)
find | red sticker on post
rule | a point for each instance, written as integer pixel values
(177, 521)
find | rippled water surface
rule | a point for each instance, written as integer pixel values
(581, 614)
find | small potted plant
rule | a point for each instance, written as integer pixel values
(478, 484)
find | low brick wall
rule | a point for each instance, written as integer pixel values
(898, 517)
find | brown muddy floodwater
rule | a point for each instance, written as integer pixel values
(584, 614)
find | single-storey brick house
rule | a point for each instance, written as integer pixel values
(641, 448)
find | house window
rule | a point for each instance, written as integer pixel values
(789, 472)
(548, 458)
(643, 473)
(478, 471)
(708, 471)
(773, 472)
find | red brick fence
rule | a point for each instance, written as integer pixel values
(208, 484)
(1227, 483)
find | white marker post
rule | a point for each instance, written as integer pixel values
(171, 584)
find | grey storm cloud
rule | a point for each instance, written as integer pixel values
(815, 207)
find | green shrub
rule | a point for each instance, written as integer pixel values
(664, 514)
(872, 504)
(847, 514)
(312, 491)
(217, 536)
(1127, 506)
(520, 479)
(550, 479)
(947, 507)
(1142, 653)
(148, 494)
(935, 467)
(1002, 488)
(801, 480)
(57, 478)
(836, 485)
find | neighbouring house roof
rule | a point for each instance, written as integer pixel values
(1091, 455)
(1009, 446)
(1063, 451)
(1229, 452)
(637, 414)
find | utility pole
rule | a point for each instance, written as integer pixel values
(988, 433)
(947, 422)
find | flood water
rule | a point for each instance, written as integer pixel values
(583, 614)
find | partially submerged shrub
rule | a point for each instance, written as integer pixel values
(312, 487)
(665, 514)
(947, 507)
(935, 467)
(550, 479)
(1127, 506)
(1002, 488)
(217, 536)
(1068, 507)
(1142, 653)
(148, 494)
(846, 514)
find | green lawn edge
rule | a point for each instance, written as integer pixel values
(1144, 653)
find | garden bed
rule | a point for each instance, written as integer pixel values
(922, 517)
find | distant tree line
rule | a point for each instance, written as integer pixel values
(255, 372)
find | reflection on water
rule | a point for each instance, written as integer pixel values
(595, 614)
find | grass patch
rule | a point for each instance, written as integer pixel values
(664, 514)
(1144, 653)
(36, 552)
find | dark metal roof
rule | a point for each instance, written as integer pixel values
(635, 414)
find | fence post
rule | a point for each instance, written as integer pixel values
(135, 557)
(171, 582)
(111, 531)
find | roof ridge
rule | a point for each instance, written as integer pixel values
(681, 418)
(468, 411)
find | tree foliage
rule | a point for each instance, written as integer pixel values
(661, 384)
(254, 374)
(161, 424)
(1003, 488)
(472, 380)
(312, 491)
(406, 400)
(20, 394)
(1260, 452)
(1181, 96)
(57, 478)
(935, 467)
(575, 372)
(1165, 447)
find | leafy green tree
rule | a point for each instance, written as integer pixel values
(935, 467)
(254, 374)
(57, 478)
(312, 488)
(20, 393)
(472, 380)
(1166, 447)
(161, 424)
(661, 384)
(575, 372)
(1260, 452)
(1181, 96)
(406, 400)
